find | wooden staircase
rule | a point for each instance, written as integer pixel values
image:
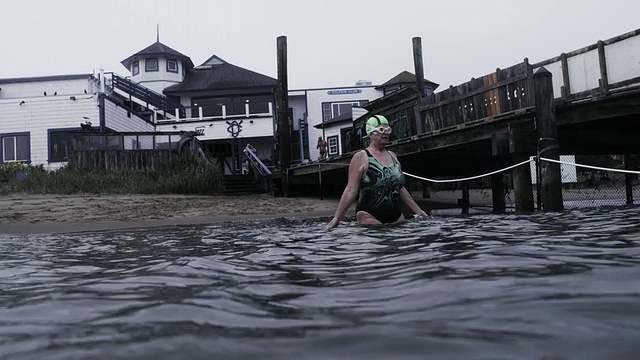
(241, 185)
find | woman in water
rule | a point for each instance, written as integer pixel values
(376, 181)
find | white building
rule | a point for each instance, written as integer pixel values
(36, 114)
(341, 118)
(312, 107)
(227, 105)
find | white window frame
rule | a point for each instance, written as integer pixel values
(148, 68)
(174, 68)
(135, 68)
(15, 137)
(333, 145)
(335, 106)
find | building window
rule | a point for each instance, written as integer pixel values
(332, 143)
(151, 65)
(172, 66)
(135, 68)
(333, 109)
(59, 145)
(15, 147)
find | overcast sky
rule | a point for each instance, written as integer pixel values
(330, 43)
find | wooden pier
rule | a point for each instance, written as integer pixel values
(582, 102)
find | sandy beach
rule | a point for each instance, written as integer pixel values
(31, 214)
(53, 213)
(28, 214)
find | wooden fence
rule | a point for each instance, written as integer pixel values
(123, 160)
(128, 151)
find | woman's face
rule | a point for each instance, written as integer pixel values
(381, 133)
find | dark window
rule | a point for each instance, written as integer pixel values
(172, 66)
(59, 145)
(151, 65)
(15, 147)
(135, 68)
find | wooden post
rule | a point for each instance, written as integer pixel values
(628, 180)
(566, 83)
(320, 180)
(522, 186)
(551, 181)
(602, 60)
(419, 67)
(426, 190)
(499, 150)
(497, 193)
(284, 132)
(464, 202)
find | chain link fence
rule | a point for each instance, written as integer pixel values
(587, 181)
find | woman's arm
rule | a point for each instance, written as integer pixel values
(357, 167)
(407, 199)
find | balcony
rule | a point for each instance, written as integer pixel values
(220, 112)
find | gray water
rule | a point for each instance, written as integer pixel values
(543, 286)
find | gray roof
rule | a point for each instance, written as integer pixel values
(45, 78)
(406, 77)
(346, 117)
(157, 49)
(217, 74)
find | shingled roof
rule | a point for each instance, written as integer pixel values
(405, 77)
(217, 74)
(157, 49)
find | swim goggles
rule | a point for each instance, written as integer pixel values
(382, 130)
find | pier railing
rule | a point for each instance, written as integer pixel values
(599, 69)
(504, 91)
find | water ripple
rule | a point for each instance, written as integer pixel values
(554, 285)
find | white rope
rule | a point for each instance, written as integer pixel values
(469, 178)
(591, 167)
(501, 170)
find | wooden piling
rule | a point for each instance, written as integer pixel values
(419, 68)
(548, 147)
(628, 180)
(497, 192)
(499, 150)
(602, 61)
(284, 130)
(522, 185)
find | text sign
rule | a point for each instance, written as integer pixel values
(344, 91)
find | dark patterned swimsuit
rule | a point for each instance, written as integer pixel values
(379, 193)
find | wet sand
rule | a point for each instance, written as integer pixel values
(33, 214)
(29, 214)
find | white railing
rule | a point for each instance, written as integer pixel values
(600, 67)
(222, 110)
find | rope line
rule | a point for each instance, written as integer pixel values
(519, 164)
(592, 167)
(471, 177)
(502, 170)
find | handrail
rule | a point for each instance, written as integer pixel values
(143, 93)
(256, 162)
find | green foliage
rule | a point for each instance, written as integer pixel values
(8, 171)
(191, 175)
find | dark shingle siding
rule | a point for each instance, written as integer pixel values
(404, 77)
(160, 49)
(223, 76)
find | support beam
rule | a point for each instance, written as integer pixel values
(284, 128)
(522, 186)
(419, 68)
(550, 178)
